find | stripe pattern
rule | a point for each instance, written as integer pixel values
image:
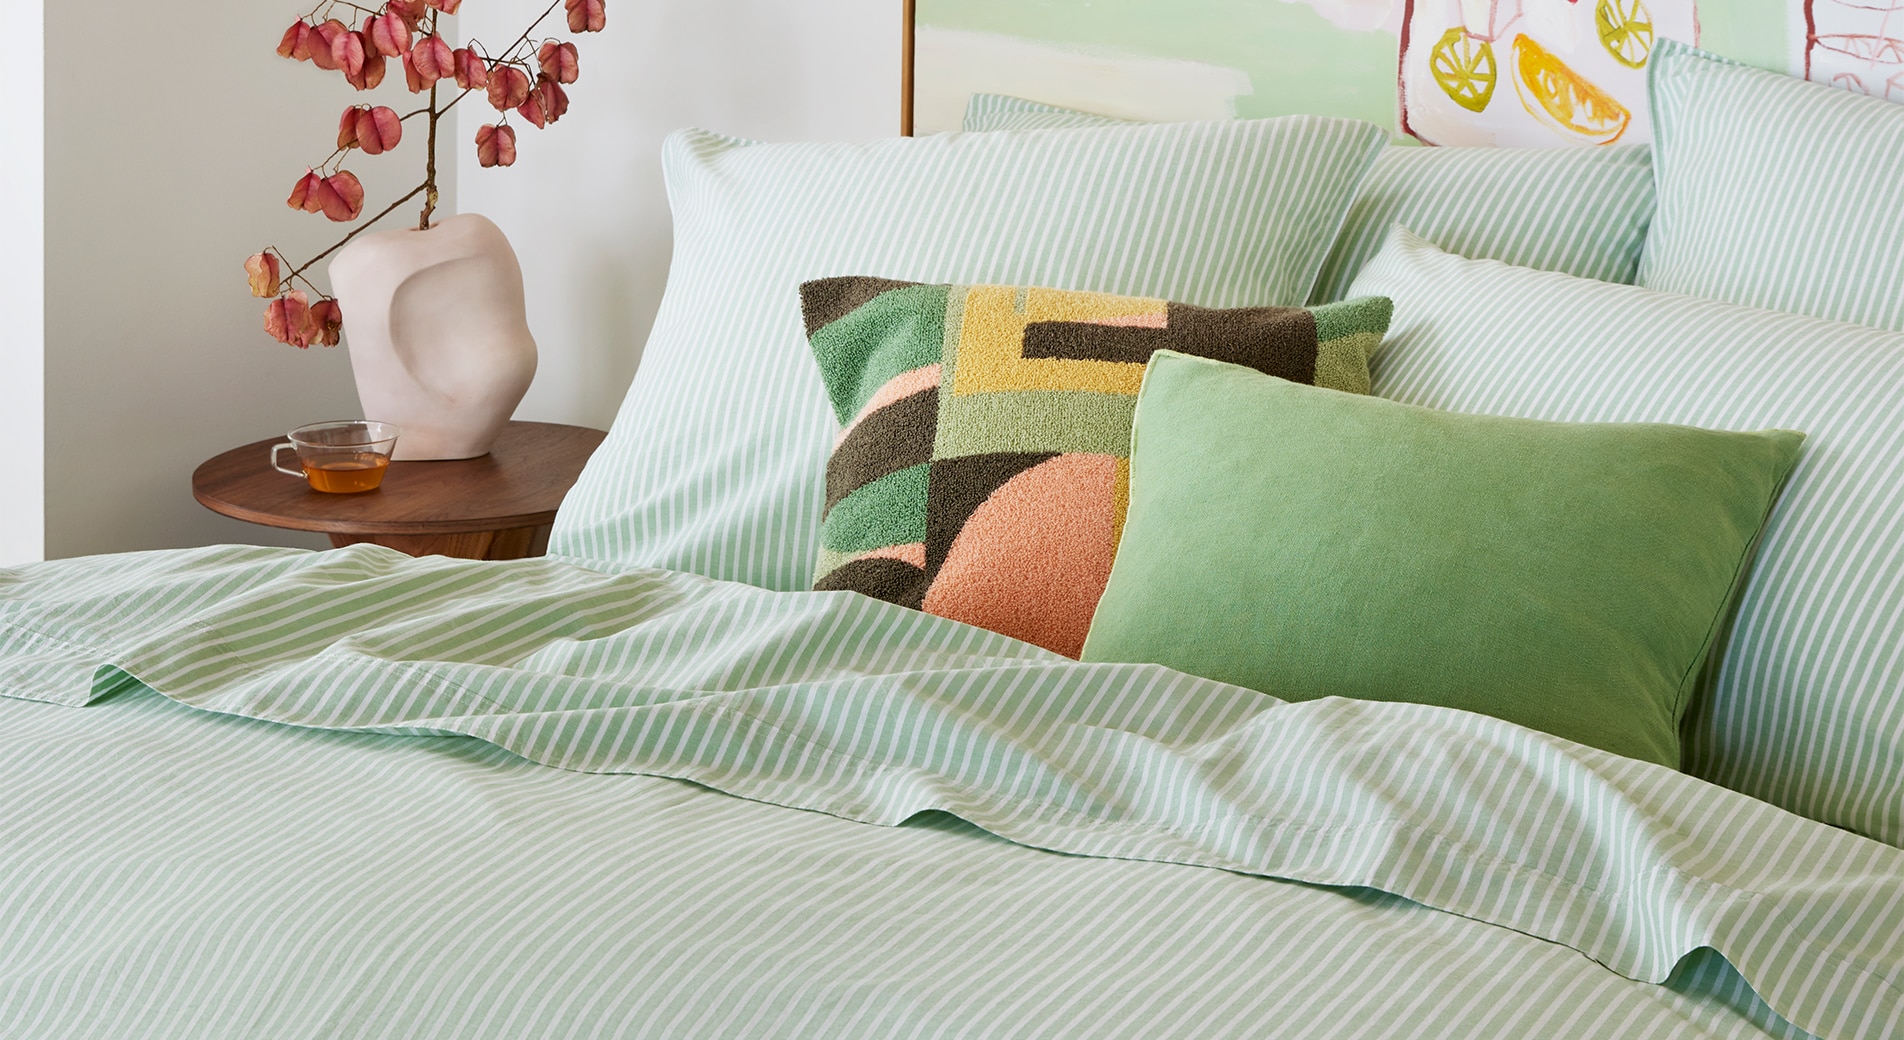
(1775, 192)
(715, 463)
(871, 712)
(170, 874)
(1584, 211)
(1804, 703)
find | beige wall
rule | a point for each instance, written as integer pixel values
(162, 175)
(584, 204)
(169, 152)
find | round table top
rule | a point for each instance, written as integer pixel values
(518, 484)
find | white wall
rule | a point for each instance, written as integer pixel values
(584, 204)
(172, 139)
(22, 289)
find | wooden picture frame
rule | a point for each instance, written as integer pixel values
(1530, 73)
(911, 14)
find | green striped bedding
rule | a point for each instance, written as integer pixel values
(1805, 704)
(262, 792)
(1584, 211)
(1778, 192)
(715, 463)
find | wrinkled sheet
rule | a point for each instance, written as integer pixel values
(861, 710)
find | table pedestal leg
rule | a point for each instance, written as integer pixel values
(512, 543)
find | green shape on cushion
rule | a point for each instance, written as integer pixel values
(1569, 577)
(1343, 363)
(1033, 421)
(1364, 314)
(1347, 334)
(897, 331)
(888, 511)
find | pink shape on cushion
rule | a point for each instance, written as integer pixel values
(912, 552)
(1033, 560)
(1153, 320)
(905, 384)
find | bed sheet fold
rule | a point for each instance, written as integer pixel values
(840, 704)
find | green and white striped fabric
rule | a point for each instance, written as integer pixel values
(1583, 211)
(1804, 707)
(715, 464)
(988, 112)
(1775, 192)
(169, 872)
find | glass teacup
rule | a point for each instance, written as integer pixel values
(342, 456)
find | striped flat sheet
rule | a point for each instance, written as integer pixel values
(301, 838)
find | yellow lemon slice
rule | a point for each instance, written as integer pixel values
(1626, 30)
(1563, 98)
(1463, 66)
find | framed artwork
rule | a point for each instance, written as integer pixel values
(1525, 73)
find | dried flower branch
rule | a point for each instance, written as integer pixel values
(525, 78)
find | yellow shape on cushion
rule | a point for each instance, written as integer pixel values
(1120, 500)
(992, 335)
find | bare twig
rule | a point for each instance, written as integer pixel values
(429, 166)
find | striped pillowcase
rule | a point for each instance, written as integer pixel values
(716, 463)
(1775, 192)
(1583, 211)
(1803, 705)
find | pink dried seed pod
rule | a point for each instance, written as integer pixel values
(559, 61)
(261, 271)
(495, 145)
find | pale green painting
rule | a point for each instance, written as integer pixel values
(1500, 72)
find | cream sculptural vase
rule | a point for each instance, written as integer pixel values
(439, 343)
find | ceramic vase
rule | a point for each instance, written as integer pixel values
(439, 343)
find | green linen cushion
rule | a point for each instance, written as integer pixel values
(715, 462)
(1775, 192)
(981, 473)
(1306, 543)
(1804, 704)
(1584, 211)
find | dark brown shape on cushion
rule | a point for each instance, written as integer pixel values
(894, 581)
(1277, 341)
(887, 441)
(824, 301)
(959, 486)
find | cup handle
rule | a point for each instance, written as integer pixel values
(275, 448)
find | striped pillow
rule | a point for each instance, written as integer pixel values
(1803, 704)
(1775, 192)
(716, 463)
(1583, 211)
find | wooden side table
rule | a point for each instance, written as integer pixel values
(497, 507)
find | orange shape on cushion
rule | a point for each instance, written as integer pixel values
(1032, 561)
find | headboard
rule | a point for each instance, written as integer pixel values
(1476, 72)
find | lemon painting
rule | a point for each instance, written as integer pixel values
(1532, 72)
(1529, 73)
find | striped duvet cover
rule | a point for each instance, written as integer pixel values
(267, 793)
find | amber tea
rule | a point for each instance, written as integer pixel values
(340, 457)
(343, 474)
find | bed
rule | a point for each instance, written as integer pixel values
(654, 785)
